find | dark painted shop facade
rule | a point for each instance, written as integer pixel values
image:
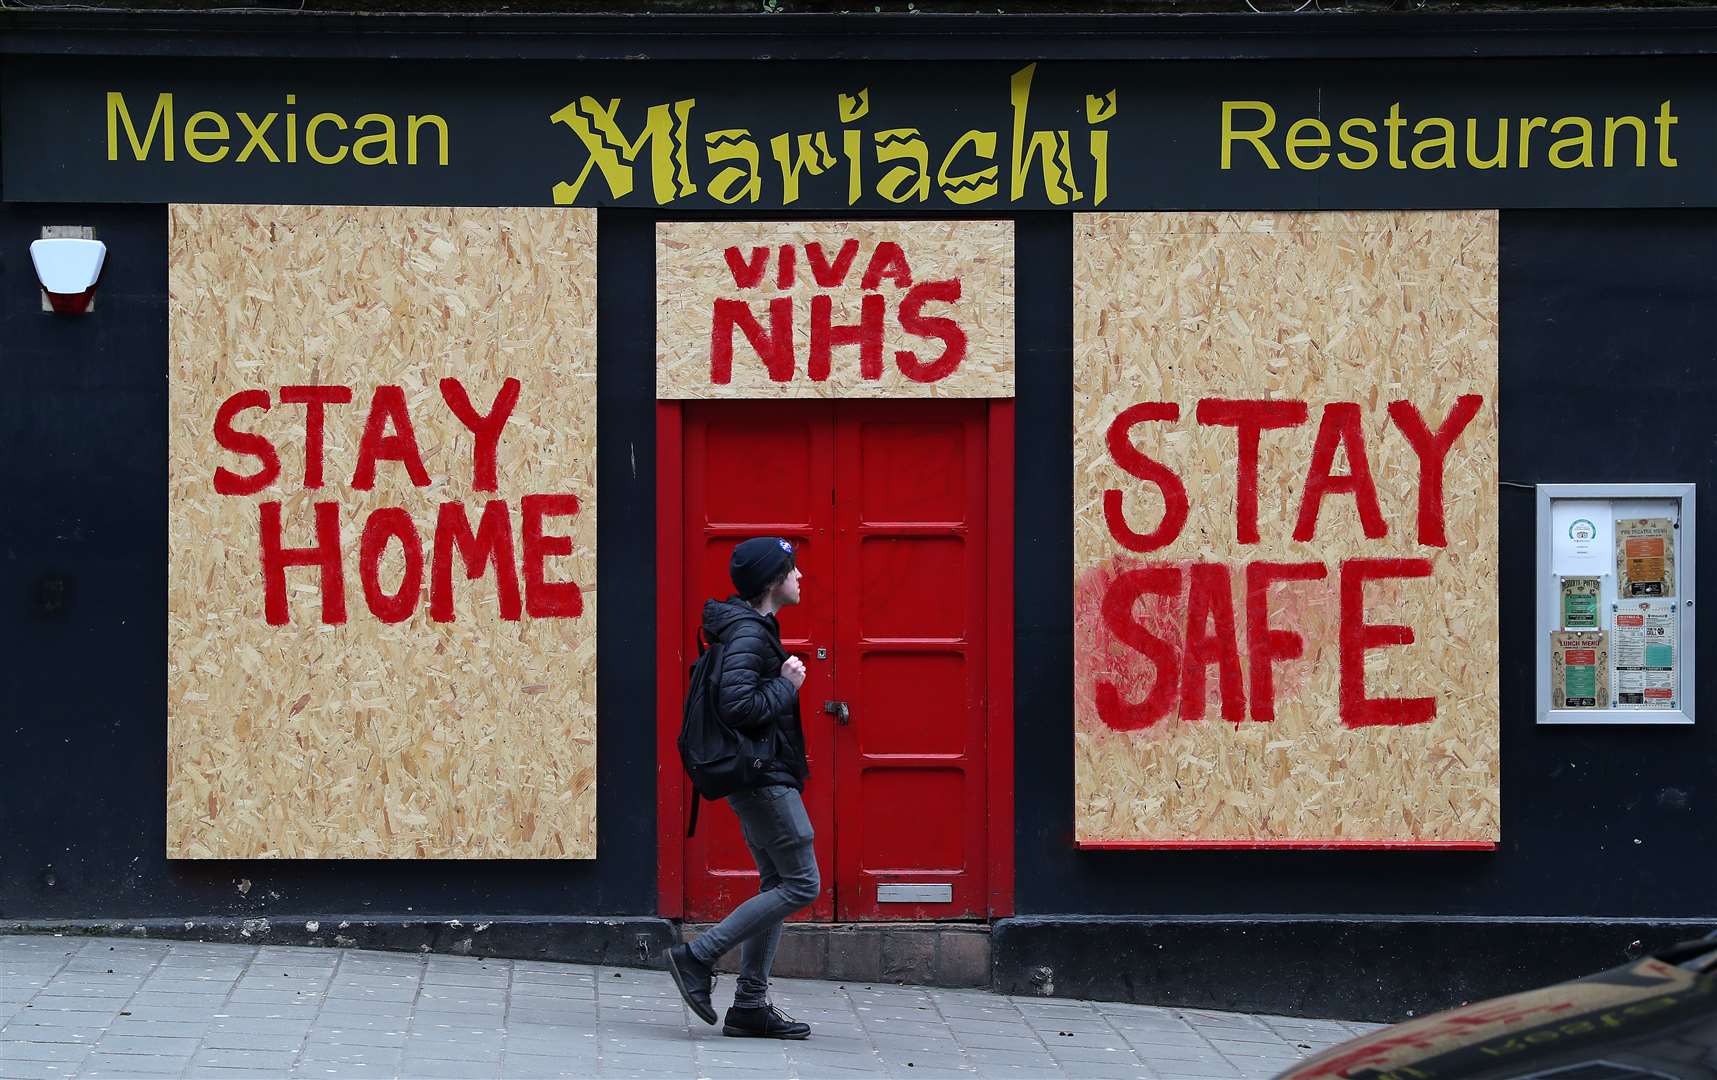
(1606, 275)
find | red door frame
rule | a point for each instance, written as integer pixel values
(671, 651)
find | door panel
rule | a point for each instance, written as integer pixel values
(762, 469)
(910, 642)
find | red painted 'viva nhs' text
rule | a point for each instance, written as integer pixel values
(774, 343)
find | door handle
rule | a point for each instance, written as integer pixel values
(838, 710)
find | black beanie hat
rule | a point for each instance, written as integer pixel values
(757, 562)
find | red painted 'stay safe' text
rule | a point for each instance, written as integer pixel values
(1210, 636)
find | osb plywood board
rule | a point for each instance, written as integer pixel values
(1352, 310)
(390, 732)
(834, 309)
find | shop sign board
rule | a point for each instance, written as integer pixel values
(965, 137)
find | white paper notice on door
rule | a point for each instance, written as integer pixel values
(1580, 538)
(1643, 649)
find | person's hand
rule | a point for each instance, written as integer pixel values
(794, 672)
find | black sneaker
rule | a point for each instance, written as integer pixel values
(695, 980)
(765, 1022)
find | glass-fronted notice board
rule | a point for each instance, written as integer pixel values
(1615, 603)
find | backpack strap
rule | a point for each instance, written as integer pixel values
(697, 798)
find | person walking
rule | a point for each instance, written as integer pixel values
(757, 692)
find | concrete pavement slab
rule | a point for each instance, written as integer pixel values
(355, 1055)
(112, 964)
(38, 1070)
(157, 984)
(42, 1002)
(278, 1060)
(1198, 1069)
(299, 1011)
(11, 1051)
(282, 980)
(546, 1067)
(154, 1045)
(478, 979)
(354, 1008)
(129, 1066)
(251, 1040)
(350, 1066)
(224, 1024)
(453, 1049)
(1017, 1044)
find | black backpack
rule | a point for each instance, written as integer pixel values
(719, 760)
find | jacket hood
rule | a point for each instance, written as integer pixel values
(719, 616)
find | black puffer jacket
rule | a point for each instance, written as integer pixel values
(751, 693)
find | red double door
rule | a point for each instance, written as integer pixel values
(885, 503)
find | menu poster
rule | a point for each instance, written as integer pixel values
(1579, 670)
(1580, 537)
(1644, 653)
(1579, 603)
(1645, 557)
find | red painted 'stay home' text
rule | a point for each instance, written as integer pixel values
(521, 564)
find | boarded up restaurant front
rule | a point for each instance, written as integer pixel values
(1157, 417)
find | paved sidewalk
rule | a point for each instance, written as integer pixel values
(122, 1007)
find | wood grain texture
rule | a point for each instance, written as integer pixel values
(692, 273)
(1317, 307)
(474, 738)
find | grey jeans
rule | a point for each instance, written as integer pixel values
(778, 832)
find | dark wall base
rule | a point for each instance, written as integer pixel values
(1346, 968)
(917, 954)
(620, 942)
(1350, 969)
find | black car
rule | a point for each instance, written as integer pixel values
(1653, 1018)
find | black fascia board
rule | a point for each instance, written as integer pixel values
(311, 35)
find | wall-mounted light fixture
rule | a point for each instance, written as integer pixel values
(68, 269)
